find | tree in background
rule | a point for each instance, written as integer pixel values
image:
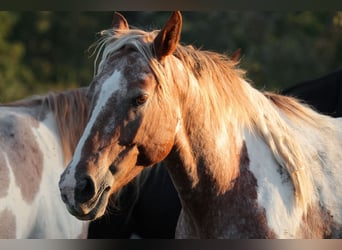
(41, 51)
(13, 72)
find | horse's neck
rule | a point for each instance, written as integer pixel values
(203, 151)
(215, 190)
(203, 167)
(209, 165)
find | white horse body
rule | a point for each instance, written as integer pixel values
(43, 215)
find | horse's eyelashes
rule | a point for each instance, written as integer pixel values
(140, 100)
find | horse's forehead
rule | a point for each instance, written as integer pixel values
(131, 64)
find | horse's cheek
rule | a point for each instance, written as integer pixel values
(151, 153)
(164, 150)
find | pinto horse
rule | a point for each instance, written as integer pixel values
(37, 139)
(153, 212)
(245, 164)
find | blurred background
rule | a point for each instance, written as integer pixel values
(43, 51)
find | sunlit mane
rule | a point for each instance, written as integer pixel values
(71, 113)
(230, 98)
(219, 87)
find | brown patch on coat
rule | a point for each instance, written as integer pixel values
(244, 211)
(319, 223)
(4, 176)
(8, 225)
(24, 155)
(234, 214)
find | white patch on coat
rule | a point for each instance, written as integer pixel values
(54, 220)
(275, 195)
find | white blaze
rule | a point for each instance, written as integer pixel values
(108, 88)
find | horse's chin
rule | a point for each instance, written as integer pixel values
(94, 208)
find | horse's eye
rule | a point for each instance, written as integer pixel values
(140, 100)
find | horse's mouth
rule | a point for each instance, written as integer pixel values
(94, 208)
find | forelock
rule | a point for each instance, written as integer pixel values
(112, 41)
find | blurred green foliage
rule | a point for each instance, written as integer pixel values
(41, 51)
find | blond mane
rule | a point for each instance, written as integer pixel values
(263, 114)
(70, 110)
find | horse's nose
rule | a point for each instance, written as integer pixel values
(85, 189)
(63, 188)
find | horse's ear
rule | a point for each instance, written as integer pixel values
(168, 38)
(236, 55)
(119, 22)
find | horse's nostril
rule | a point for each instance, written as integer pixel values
(85, 190)
(64, 198)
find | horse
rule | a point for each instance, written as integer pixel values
(37, 139)
(153, 211)
(245, 163)
(323, 93)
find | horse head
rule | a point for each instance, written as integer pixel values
(130, 126)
